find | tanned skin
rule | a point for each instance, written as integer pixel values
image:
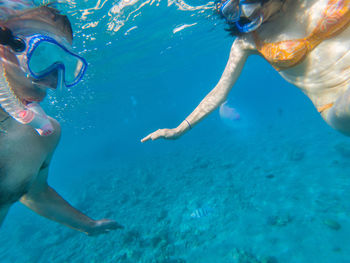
(25, 158)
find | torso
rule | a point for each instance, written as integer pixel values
(22, 154)
(323, 74)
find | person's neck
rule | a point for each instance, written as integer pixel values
(273, 9)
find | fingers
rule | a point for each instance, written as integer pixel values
(114, 225)
(154, 135)
(104, 226)
(108, 223)
(169, 134)
(109, 228)
(147, 138)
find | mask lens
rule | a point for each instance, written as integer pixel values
(48, 56)
(231, 10)
(249, 8)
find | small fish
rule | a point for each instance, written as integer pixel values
(201, 212)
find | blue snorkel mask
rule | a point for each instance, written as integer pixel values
(233, 10)
(35, 55)
(44, 55)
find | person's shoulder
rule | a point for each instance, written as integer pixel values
(245, 43)
(56, 125)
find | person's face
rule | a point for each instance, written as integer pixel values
(26, 88)
(271, 8)
(251, 8)
(42, 20)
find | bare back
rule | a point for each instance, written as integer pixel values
(22, 154)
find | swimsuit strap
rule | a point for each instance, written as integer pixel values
(325, 107)
(335, 18)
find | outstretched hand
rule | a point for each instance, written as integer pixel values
(104, 226)
(169, 134)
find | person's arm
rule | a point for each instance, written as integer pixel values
(240, 51)
(46, 202)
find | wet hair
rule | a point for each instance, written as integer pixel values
(8, 39)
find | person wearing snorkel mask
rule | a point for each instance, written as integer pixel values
(306, 41)
(35, 56)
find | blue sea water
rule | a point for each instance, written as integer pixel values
(277, 186)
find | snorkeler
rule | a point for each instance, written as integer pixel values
(35, 56)
(306, 41)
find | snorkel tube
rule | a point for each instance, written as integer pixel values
(32, 114)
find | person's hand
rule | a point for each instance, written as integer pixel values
(169, 134)
(103, 226)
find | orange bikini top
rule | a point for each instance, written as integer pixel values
(286, 54)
